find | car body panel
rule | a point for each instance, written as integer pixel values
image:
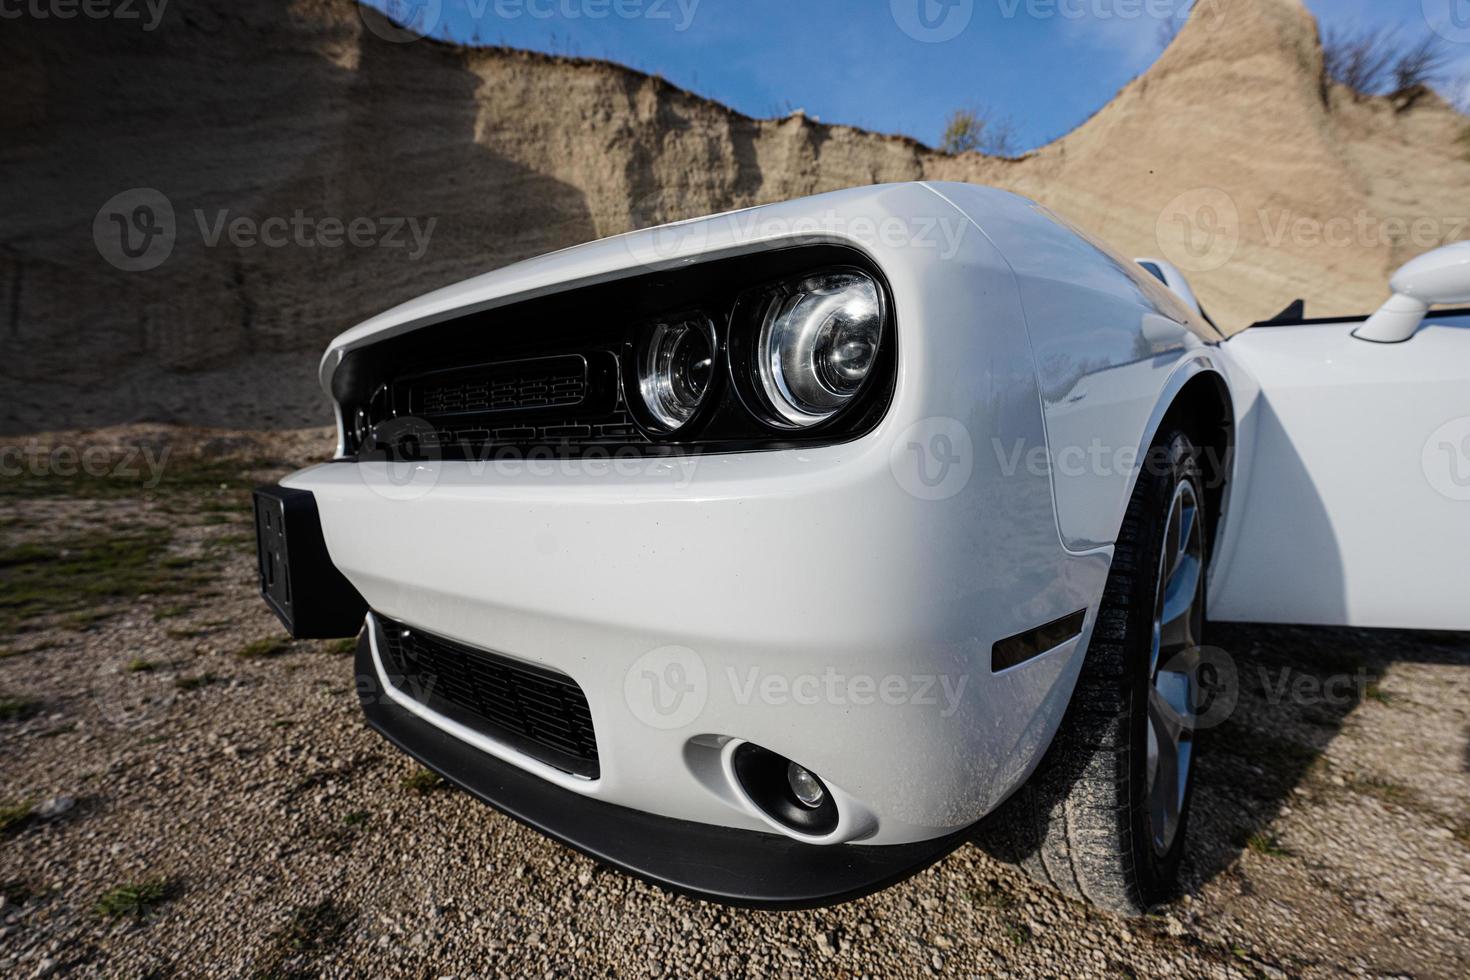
(1107, 339)
(1356, 511)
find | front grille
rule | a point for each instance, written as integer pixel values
(536, 711)
(546, 382)
(482, 410)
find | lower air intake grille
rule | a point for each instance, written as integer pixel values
(538, 712)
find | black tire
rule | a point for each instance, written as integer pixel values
(1081, 824)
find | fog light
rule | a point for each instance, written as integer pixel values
(807, 788)
(788, 793)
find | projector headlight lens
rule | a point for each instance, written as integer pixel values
(676, 368)
(818, 343)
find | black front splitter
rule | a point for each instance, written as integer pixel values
(733, 867)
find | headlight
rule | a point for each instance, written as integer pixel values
(676, 367)
(818, 342)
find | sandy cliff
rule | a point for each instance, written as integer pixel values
(1230, 156)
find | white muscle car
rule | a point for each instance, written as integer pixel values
(764, 555)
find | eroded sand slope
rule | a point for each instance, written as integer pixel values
(1230, 156)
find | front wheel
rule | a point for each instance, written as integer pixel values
(1103, 819)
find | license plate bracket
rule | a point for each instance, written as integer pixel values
(298, 581)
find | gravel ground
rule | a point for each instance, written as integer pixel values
(189, 794)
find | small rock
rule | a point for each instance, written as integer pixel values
(54, 807)
(827, 943)
(1173, 926)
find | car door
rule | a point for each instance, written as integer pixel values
(1352, 505)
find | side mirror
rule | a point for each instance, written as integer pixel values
(1441, 276)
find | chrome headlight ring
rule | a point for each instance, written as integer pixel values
(817, 344)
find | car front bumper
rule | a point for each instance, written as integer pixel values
(803, 601)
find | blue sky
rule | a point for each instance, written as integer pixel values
(879, 64)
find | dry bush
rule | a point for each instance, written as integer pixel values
(1419, 65)
(978, 129)
(1360, 59)
(1376, 61)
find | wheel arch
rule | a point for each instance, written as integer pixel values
(1204, 406)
